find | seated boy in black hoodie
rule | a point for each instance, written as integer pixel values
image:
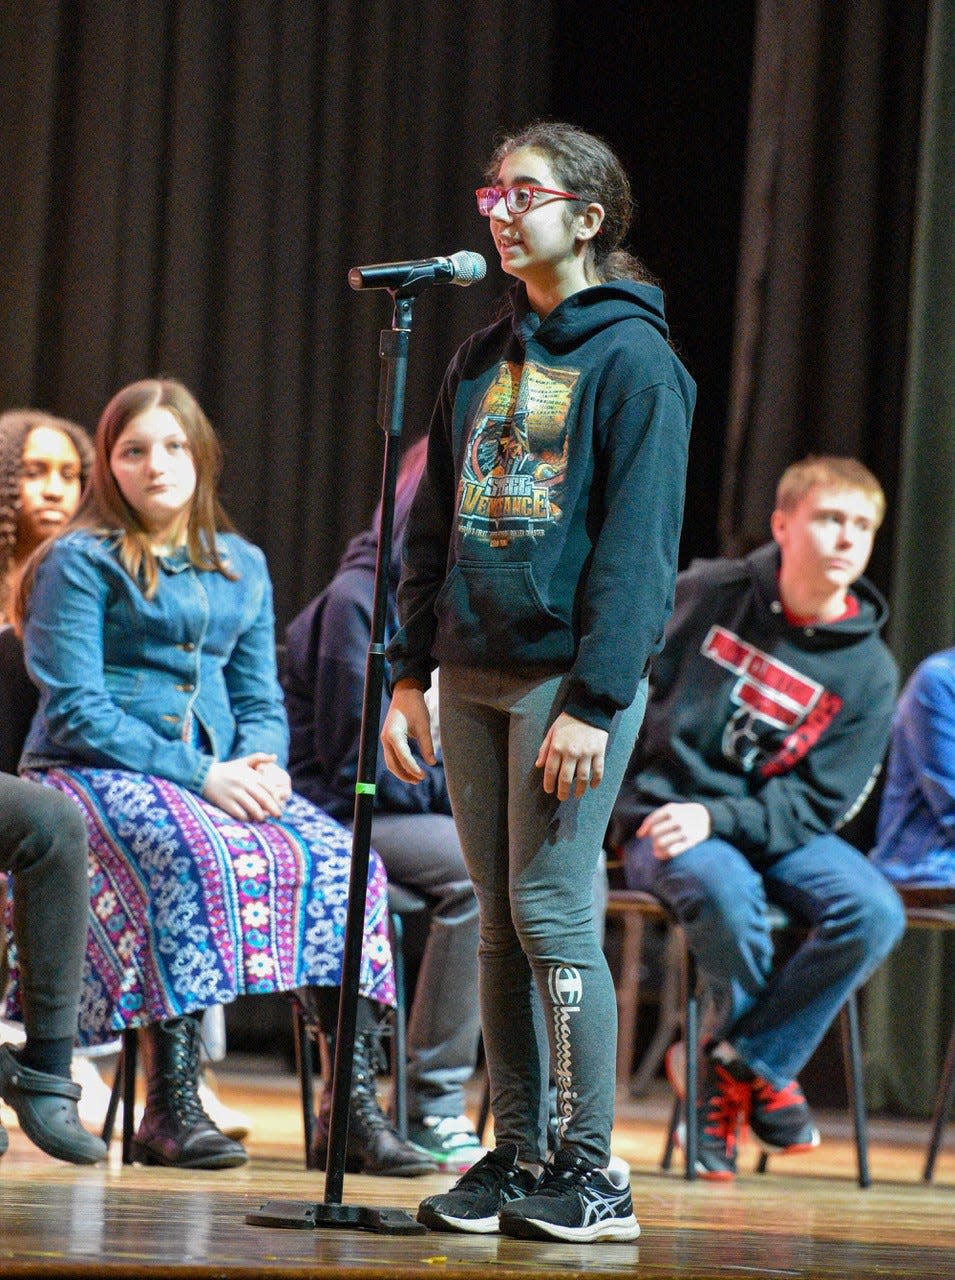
(768, 719)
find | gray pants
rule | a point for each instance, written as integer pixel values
(532, 860)
(422, 851)
(43, 845)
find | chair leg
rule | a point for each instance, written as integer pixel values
(399, 1059)
(628, 994)
(124, 1085)
(675, 1114)
(109, 1122)
(306, 1078)
(855, 1085)
(691, 1034)
(943, 1105)
(670, 1017)
(692, 1064)
(129, 1054)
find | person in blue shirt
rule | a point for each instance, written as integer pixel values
(915, 835)
(148, 629)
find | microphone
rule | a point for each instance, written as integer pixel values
(460, 268)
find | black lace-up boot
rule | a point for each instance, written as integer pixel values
(175, 1129)
(373, 1143)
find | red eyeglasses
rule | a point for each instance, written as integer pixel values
(516, 199)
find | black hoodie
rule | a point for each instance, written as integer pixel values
(545, 532)
(324, 680)
(778, 729)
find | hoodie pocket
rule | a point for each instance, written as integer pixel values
(495, 612)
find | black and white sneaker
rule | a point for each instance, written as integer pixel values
(474, 1202)
(575, 1201)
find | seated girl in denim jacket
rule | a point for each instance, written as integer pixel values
(148, 628)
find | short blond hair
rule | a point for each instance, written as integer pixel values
(827, 471)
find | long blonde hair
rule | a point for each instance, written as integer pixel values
(105, 512)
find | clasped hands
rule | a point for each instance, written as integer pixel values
(250, 788)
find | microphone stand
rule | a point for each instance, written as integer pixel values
(393, 349)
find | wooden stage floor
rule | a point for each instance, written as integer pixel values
(806, 1217)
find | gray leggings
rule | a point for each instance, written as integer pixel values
(532, 862)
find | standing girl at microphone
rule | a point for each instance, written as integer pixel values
(539, 567)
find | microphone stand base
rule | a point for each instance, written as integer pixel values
(309, 1214)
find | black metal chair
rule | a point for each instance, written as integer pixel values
(402, 902)
(933, 907)
(631, 904)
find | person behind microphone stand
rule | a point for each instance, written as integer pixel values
(326, 647)
(544, 530)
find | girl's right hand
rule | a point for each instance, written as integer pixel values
(407, 718)
(237, 787)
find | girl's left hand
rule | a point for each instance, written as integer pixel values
(572, 756)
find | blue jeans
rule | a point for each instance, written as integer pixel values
(775, 1018)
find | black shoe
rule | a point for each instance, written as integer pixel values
(721, 1112)
(475, 1201)
(374, 1146)
(46, 1108)
(574, 1201)
(175, 1130)
(781, 1119)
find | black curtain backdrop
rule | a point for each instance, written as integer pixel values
(824, 265)
(187, 183)
(668, 86)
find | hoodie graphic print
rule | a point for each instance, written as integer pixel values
(515, 456)
(771, 698)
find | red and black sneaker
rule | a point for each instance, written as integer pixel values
(721, 1113)
(781, 1119)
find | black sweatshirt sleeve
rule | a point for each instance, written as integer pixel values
(631, 579)
(425, 553)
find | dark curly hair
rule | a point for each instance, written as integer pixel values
(584, 164)
(15, 426)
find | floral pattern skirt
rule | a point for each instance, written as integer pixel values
(190, 908)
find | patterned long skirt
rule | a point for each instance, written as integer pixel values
(191, 908)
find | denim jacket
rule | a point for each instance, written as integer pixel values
(125, 681)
